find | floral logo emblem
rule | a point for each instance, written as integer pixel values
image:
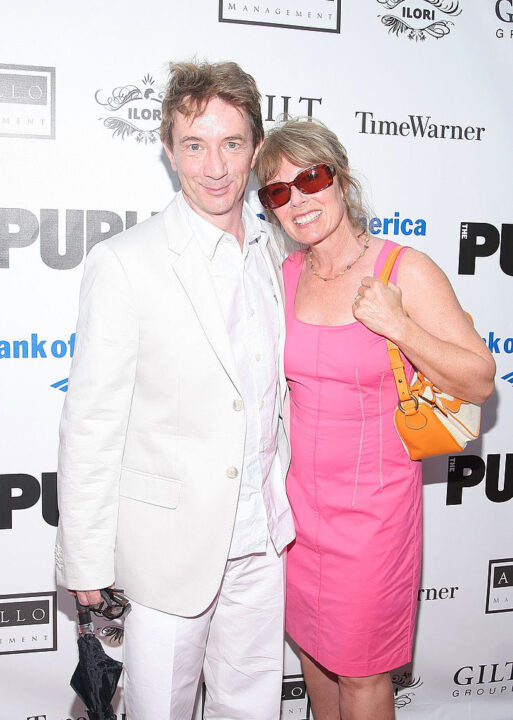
(418, 21)
(138, 111)
(401, 683)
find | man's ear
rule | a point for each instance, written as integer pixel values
(255, 153)
(170, 155)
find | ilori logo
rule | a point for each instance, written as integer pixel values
(136, 110)
(420, 20)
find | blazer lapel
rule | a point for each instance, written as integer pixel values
(190, 267)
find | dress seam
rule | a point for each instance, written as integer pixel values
(317, 638)
(413, 567)
(362, 430)
(380, 436)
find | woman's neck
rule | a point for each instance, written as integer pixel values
(338, 250)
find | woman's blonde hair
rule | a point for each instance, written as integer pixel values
(305, 142)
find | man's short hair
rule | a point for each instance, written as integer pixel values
(191, 86)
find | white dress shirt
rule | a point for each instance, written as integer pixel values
(249, 306)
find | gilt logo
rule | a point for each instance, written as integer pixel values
(135, 110)
(420, 20)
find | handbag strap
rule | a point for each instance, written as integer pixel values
(384, 275)
(408, 403)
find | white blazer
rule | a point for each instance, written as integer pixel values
(151, 442)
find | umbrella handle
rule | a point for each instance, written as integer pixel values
(85, 624)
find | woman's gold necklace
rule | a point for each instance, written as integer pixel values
(341, 272)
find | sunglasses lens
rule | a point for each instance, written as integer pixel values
(274, 195)
(314, 179)
(311, 180)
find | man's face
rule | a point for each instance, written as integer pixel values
(213, 156)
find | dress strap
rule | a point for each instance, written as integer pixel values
(388, 246)
(291, 272)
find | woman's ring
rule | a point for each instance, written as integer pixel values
(356, 298)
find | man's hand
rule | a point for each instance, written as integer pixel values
(87, 597)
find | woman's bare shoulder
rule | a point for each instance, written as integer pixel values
(416, 269)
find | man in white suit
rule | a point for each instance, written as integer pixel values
(173, 451)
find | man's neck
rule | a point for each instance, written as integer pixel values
(229, 223)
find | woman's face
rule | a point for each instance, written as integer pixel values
(309, 219)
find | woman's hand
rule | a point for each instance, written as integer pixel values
(379, 307)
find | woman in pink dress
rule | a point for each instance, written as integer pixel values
(353, 570)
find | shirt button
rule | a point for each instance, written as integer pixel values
(232, 472)
(258, 357)
(237, 404)
(251, 312)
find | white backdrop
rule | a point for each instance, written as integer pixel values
(419, 91)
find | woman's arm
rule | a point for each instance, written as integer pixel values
(424, 318)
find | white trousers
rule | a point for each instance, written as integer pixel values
(237, 642)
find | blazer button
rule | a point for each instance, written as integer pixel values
(232, 472)
(237, 405)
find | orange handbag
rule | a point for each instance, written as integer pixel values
(428, 421)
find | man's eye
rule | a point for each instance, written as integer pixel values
(232, 145)
(194, 146)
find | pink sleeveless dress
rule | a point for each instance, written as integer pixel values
(353, 571)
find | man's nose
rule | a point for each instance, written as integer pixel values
(215, 165)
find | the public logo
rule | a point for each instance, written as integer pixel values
(321, 15)
(405, 686)
(136, 110)
(419, 20)
(28, 623)
(499, 593)
(19, 491)
(482, 240)
(81, 230)
(468, 471)
(295, 703)
(27, 101)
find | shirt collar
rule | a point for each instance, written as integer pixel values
(209, 236)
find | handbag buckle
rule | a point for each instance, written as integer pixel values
(415, 400)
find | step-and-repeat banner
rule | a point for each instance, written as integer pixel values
(419, 91)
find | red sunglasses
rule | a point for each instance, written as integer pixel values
(312, 180)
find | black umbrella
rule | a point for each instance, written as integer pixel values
(96, 675)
